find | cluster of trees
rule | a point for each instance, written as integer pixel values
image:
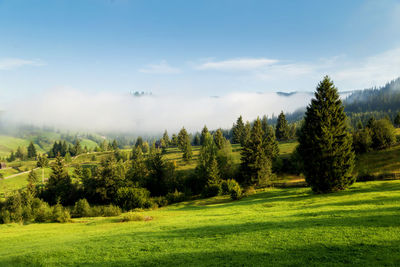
(375, 135)
(61, 148)
(22, 154)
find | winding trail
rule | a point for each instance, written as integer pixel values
(18, 174)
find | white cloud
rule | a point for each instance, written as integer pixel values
(238, 64)
(76, 110)
(162, 68)
(13, 63)
(372, 71)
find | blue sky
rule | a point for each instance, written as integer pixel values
(195, 47)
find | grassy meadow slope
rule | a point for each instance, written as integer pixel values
(290, 226)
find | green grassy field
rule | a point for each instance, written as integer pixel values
(9, 143)
(291, 226)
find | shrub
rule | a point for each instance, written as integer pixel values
(42, 212)
(82, 209)
(211, 190)
(129, 198)
(132, 216)
(175, 197)
(236, 192)
(110, 210)
(60, 214)
(383, 134)
(249, 191)
(227, 186)
(5, 216)
(159, 201)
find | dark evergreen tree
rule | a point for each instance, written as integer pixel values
(264, 124)
(31, 151)
(246, 134)
(182, 139)
(59, 188)
(325, 144)
(42, 162)
(137, 173)
(161, 172)
(256, 164)
(270, 143)
(166, 138)
(197, 140)
(139, 142)
(219, 139)
(114, 145)
(203, 134)
(238, 131)
(282, 128)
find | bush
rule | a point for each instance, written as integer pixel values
(82, 209)
(212, 190)
(132, 216)
(362, 140)
(42, 212)
(175, 197)
(249, 191)
(159, 201)
(227, 186)
(383, 134)
(60, 214)
(236, 192)
(129, 198)
(110, 211)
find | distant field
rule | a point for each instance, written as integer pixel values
(291, 226)
(8, 143)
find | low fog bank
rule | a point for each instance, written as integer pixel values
(112, 112)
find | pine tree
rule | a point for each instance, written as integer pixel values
(256, 165)
(31, 151)
(246, 134)
(219, 139)
(114, 145)
(166, 138)
(264, 123)
(282, 128)
(238, 131)
(187, 151)
(197, 140)
(182, 138)
(325, 145)
(270, 143)
(138, 170)
(203, 134)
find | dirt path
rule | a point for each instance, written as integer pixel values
(18, 174)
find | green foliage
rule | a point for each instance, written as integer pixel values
(227, 186)
(60, 214)
(165, 138)
(137, 173)
(31, 151)
(59, 187)
(129, 198)
(211, 190)
(82, 209)
(238, 131)
(132, 216)
(325, 145)
(204, 132)
(255, 165)
(236, 192)
(219, 139)
(383, 135)
(282, 128)
(362, 140)
(161, 175)
(175, 197)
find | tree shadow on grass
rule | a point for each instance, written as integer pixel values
(353, 254)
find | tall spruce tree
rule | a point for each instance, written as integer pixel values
(256, 164)
(166, 139)
(31, 151)
(282, 128)
(246, 134)
(204, 132)
(219, 139)
(325, 144)
(238, 131)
